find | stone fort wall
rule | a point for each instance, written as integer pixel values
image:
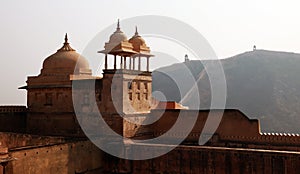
(208, 160)
(73, 157)
(13, 109)
(15, 140)
(13, 118)
(234, 130)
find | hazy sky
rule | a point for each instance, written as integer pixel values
(31, 30)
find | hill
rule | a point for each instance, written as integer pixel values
(262, 84)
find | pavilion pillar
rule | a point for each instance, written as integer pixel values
(148, 64)
(121, 64)
(125, 62)
(133, 66)
(115, 62)
(130, 62)
(105, 63)
(139, 64)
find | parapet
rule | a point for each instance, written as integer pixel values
(11, 109)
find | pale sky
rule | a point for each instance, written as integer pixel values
(32, 30)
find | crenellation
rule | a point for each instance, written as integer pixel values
(12, 109)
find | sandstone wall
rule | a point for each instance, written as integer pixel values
(218, 160)
(61, 124)
(69, 158)
(13, 118)
(233, 129)
(15, 140)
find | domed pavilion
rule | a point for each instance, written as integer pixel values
(50, 94)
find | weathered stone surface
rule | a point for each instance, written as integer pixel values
(220, 160)
(76, 157)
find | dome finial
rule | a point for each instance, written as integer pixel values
(66, 38)
(118, 25)
(136, 31)
(66, 46)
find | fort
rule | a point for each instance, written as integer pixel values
(46, 137)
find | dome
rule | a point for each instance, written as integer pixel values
(139, 44)
(137, 40)
(65, 61)
(118, 36)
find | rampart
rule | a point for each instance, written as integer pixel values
(15, 140)
(12, 109)
(73, 157)
(207, 160)
(234, 129)
(13, 118)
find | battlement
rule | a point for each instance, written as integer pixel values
(10, 109)
(281, 134)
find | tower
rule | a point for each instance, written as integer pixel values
(49, 95)
(186, 58)
(127, 87)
